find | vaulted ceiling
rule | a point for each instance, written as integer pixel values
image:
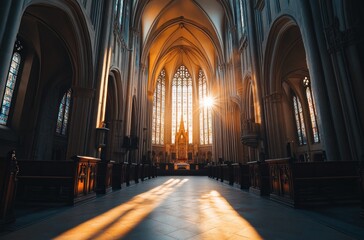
(188, 32)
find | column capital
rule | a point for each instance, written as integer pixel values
(337, 39)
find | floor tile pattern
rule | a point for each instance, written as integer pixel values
(184, 208)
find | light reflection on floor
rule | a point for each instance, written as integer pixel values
(217, 212)
(120, 220)
(216, 217)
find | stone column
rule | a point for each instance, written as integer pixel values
(256, 76)
(325, 96)
(80, 127)
(275, 124)
(343, 39)
(10, 18)
(142, 109)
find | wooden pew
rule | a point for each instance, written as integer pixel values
(259, 178)
(57, 182)
(301, 184)
(104, 176)
(8, 181)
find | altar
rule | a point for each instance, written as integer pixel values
(181, 166)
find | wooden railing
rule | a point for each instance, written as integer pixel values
(281, 180)
(231, 174)
(85, 177)
(104, 177)
(8, 179)
(259, 178)
(57, 181)
(313, 183)
(118, 175)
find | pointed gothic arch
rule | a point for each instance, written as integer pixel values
(286, 106)
(57, 59)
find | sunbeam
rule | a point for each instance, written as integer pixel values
(120, 220)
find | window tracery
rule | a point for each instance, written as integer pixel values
(11, 83)
(205, 111)
(182, 101)
(63, 114)
(159, 109)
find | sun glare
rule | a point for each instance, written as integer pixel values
(208, 102)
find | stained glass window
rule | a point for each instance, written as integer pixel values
(11, 84)
(119, 4)
(312, 109)
(64, 113)
(300, 124)
(182, 101)
(158, 109)
(205, 111)
(242, 15)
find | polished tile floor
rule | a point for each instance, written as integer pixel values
(184, 208)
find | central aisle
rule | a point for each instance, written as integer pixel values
(179, 208)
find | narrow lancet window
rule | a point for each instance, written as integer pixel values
(119, 5)
(300, 123)
(242, 19)
(11, 84)
(64, 113)
(159, 109)
(312, 109)
(205, 111)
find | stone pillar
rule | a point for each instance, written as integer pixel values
(143, 102)
(79, 130)
(275, 122)
(256, 75)
(100, 80)
(325, 97)
(343, 39)
(149, 123)
(10, 18)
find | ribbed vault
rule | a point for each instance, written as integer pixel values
(176, 32)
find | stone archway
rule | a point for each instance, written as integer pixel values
(284, 70)
(58, 59)
(113, 118)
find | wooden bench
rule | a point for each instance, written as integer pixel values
(259, 178)
(57, 182)
(8, 177)
(302, 184)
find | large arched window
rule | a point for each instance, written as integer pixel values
(158, 109)
(312, 110)
(205, 111)
(10, 85)
(300, 123)
(182, 101)
(63, 114)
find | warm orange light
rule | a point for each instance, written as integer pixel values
(215, 210)
(208, 102)
(119, 221)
